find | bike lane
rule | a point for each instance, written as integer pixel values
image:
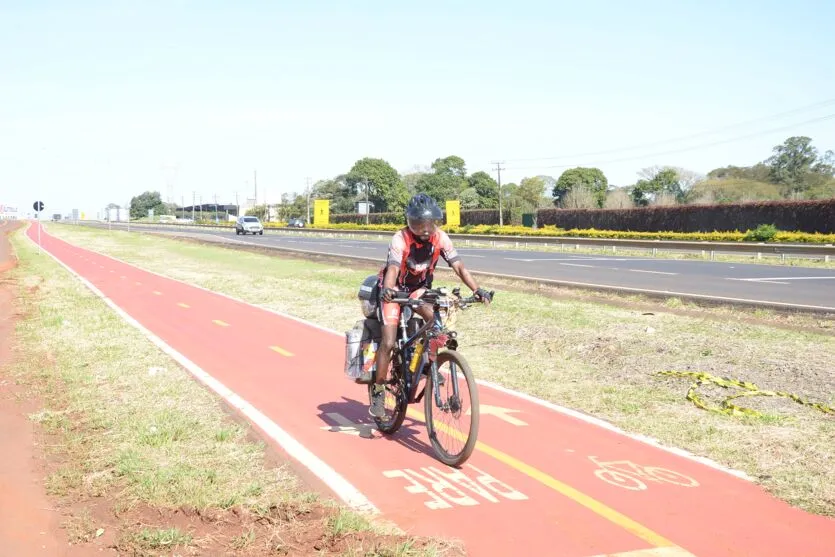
(530, 483)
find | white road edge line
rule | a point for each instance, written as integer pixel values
(342, 487)
(544, 403)
(653, 272)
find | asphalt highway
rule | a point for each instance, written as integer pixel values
(803, 288)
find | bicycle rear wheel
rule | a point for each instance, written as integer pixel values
(453, 407)
(396, 401)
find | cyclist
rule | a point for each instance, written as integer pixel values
(412, 256)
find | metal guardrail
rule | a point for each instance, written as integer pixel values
(825, 251)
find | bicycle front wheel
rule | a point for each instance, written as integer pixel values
(451, 406)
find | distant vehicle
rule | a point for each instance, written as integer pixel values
(295, 223)
(249, 224)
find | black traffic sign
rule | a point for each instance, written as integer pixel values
(38, 206)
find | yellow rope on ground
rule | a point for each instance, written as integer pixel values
(749, 389)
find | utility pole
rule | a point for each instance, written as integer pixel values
(499, 171)
(193, 197)
(308, 199)
(237, 205)
(255, 181)
(367, 208)
(215, 208)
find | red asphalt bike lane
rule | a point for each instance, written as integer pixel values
(539, 482)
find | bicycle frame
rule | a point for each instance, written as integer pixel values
(412, 379)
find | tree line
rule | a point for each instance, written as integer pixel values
(795, 170)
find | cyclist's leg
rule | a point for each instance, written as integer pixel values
(390, 315)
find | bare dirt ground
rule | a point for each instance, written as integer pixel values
(29, 522)
(49, 508)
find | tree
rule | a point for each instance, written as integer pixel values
(531, 192)
(592, 178)
(617, 199)
(656, 180)
(386, 190)
(440, 187)
(337, 190)
(487, 189)
(795, 165)
(140, 204)
(579, 196)
(469, 199)
(450, 165)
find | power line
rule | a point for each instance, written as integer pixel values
(681, 138)
(683, 149)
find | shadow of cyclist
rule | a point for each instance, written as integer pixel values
(355, 418)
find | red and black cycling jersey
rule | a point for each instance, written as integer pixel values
(417, 260)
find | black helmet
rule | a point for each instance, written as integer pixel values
(423, 209)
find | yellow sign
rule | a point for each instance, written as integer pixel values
(321, 211)
(453, 212)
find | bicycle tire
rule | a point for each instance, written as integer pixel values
(428, 397)
(399, 414)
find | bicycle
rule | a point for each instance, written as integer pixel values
(411, 362)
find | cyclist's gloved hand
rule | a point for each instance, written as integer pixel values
(482, 295)
(388, 294)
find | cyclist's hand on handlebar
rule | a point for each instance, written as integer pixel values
(483, 296)
(389, 294)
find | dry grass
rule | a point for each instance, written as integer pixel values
(590, 356)
(128, 425)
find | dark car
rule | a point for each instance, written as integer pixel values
(295, 223)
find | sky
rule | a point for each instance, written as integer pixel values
(100, 101)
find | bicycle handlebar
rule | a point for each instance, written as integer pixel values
(431, 296)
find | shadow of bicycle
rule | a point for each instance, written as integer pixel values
(350, 416)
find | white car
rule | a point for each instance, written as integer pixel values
(249, 224)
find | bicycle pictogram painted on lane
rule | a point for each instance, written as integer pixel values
(628, 475)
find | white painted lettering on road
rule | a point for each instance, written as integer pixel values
(450, 487)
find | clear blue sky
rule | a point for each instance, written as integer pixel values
(95, 97)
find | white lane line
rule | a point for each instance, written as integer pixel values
(653, 272)
(529, 260)
(579, 265)
(342, 487)
(772, 279)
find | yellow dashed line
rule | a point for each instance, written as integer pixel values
(590, 503)
(182, 305)
(221, 323)
(281, 351)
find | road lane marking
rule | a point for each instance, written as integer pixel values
(333, 479)
(138, 283)
(775, 279)
(597, 422)
(654, 552)
(446, 487)
(579, 265)
(575, 495)
(220, 323)
(182, 305)
(628, 475)
(281, 351)
(157, 293)
(499, 412)
(653, 272)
